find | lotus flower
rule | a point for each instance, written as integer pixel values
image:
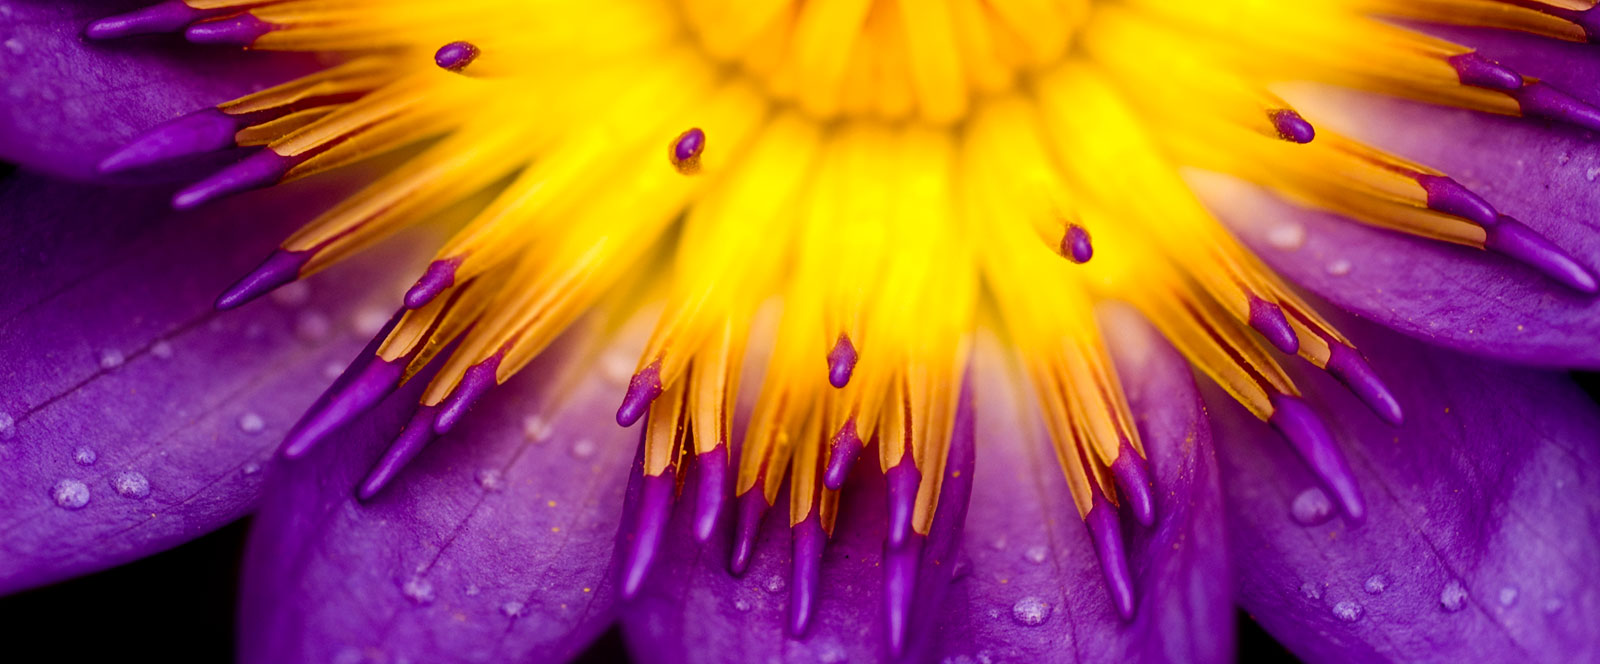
(900, 302)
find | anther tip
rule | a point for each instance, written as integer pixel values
(841, 362)
(1076, 245)
(1312, 440)
(1268, 319)
(686, 150)
(240, 30)
(643, 389)
(455, 56)
(163, 17)
(1511, 238)
(439, 276)
(1475, 70)
(1347, 365)
(713, 469)
(278, 269)
(1292, 127)
(846, 446)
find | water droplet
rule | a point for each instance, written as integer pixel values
(161, 350)
(1287, 237)
(617, 367)
(251, 423)
(491, 479)
(251, 468)
(998, 544)
(312, 326)
(1347, 611)
(418, 590)
(741, 604)
(369, 322)
(332, 370)
(1030, 611)
(85, 456)
(583, 449)
(774, 584)
(1553, 605)
(130, 484)
(536, 429)
(1453, 597)
(1376, 584)
(8, 426)
(15, 46)
(993, 613)
(511, 609)
(1312, 507)
(1036, 553)
(292, 294)
(71, 494)
(1311, 590)
(1508, 596)
(111, 359)
(1339, 267)
(1592, 173)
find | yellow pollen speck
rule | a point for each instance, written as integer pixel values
(550, 504)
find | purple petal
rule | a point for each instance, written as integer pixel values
(1448, 295)
(69, 102)
(1480, 542)
(135, 417)
(1036, 591)
(494, 544)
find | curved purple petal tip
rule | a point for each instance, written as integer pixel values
(280, 268)
(1108, 545)
(808, 541)
(712, 491)
(846, 448)
(1317, 448)
(241, 30)
(476, 382)
(1268, 319)
(417, 434)
(1347, 365)
(262, 169)
(655, 507)
(752, 507)
(205, 130)
(1133, 479)
(1511, 238)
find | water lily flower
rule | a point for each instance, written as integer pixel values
(840, 330)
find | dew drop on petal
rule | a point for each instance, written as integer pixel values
(71, 494)
(8, 426)
(491, 479)
(774, 584)
(1347, 611)
(1030, 611)
(1376, 584)
(292, 294)
(161, 350)
(1339, 267)
(111, 359)
(130, 484)
(418, 590)
(1311, 590)
(251, 423)
(1312, 507)
(536, 429)
(1287, 237)
(369, 322)
(1508, 596)
(999, 544)
(1454, 596)
(85, 456)
(511, 609)
(15, 46)
(583, 449)
(1553, 605)
(1037, 553)
(1592, 173)
(251, 468)
(617, 368)
(332, 370)
(312, 326)
(741, 604)
(473, 590)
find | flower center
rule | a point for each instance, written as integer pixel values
(888, 59)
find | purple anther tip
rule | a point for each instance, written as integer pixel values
(1511, 238)
(1475, 70)
(1347, 365)
(417, 434)
(1291, 126)
(238, 30)
(1107, 535)
(475, 382)
(808, 541)
(845, 448)
(205, 130)
(1076, 245)
(903, 480)
(440, 275)
(280, 268)
(711, 492)
(1450, 197)
(752, 507)
(643, 389)
(1540, 100)
(455, 56)
(264, 168)
(686, 151)
(901, 564)
(1588, 19)
(1133, 478)
(374, 381)
(1268, 319)
(1310, 438)
(841, 361)
(169, 16)
(655, 507)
